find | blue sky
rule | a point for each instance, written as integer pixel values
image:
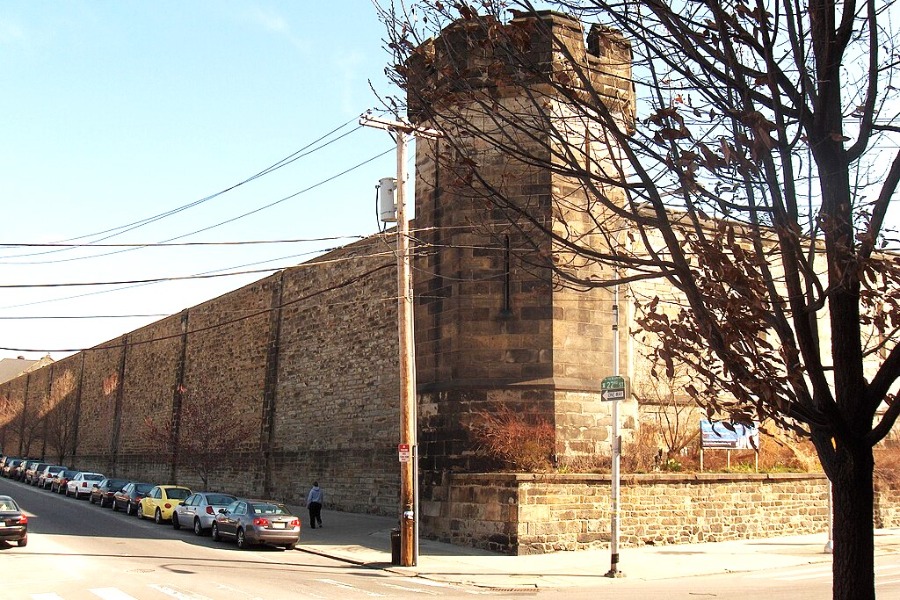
(114, 112)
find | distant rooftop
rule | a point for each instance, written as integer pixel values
(10, 368)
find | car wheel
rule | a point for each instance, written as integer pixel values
(198, 529)
(91, 499)
(102, 502)
(241, 540)
(140, 511)
(23, 542)
(157, 517)
(175, 523)
(290, 546)
(215, 533)
(115, 506)
(128, 509)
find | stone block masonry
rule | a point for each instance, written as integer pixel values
(305, 359)
(517, 513)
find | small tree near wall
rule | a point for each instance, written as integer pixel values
(199, 433)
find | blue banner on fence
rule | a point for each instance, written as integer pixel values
(728, 435)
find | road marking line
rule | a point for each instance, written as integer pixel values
(111, 594)
(173, 593)
(788, 574)
(428, 582)
(50, 596)
(349, 587)
(410, 589)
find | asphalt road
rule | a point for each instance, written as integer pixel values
(76, 550)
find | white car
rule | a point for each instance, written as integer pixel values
(82, 483)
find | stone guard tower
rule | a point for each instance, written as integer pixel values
(494, 332)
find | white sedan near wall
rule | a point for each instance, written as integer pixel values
(81, 484)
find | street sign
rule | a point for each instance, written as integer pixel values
(403, 450)
(616, 382)
(612, 394)
(612, 388)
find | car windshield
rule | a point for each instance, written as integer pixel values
(93, 476)
(266, 508)
(143, 488)
(8, 504)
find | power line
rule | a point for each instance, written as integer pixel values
(302, 152)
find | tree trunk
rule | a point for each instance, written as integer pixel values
(854, 543)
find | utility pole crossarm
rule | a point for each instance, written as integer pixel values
(369, 120)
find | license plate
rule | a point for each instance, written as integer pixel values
(2, 523)
(278, 525)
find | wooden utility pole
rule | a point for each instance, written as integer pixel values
(407, 449)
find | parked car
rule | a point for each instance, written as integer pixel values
(199, 510)
(32, 470)
(130, 496)
(160, 502)
(18, 470)
(102, 492)
(10, 465)
(46, 477)
(13, 522)
(250, 522)
(80, 484)
(61, 480)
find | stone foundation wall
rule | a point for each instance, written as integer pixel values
(536, 514)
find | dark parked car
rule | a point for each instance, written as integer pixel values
(199, 510)
(250, 522)
(102, 493)
(33, 470)
(13, 522)
(130, 496)
(61, 480)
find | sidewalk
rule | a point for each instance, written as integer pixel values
(365, 540)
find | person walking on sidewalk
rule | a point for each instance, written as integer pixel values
(314, 501)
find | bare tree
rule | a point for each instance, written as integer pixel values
(61, 426)
(753, 175)
(673, 411)
(200, 432)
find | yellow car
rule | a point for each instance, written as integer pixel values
(160, 502)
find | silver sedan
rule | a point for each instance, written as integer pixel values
(199, 510)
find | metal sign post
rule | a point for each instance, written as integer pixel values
(613, 389)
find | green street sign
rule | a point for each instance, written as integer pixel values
(612, 388)
(616, 382)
